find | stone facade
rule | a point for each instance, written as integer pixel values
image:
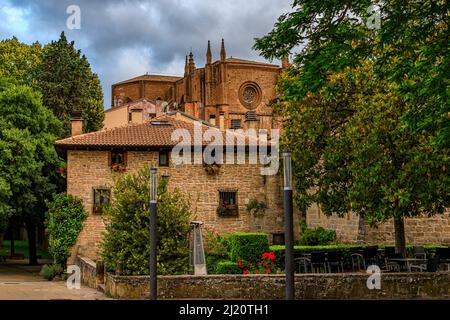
(220, 92)
(90, 169)
(353, 229)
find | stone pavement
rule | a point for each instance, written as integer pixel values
(19, 281)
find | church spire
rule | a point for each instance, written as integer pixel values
(186, 66)
(191, 62)
(222, 51)
(208, 53)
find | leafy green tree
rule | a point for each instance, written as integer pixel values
(384, 158)
(28, 160)
(410, 48)
(126, 244)
(68, 84)
(64, 222)
(19, 61)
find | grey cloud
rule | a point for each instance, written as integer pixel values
(152, 35)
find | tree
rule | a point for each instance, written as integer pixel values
(126, 246)
(64, 222)
(68, 84)
(350, 151)
(28, 160)
(19, 61)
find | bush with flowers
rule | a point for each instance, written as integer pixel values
(265, 265)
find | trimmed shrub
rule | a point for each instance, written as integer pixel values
(316, 237)
(227, 267)
(50, 271)
(247, 246)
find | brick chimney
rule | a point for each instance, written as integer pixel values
(77, 123)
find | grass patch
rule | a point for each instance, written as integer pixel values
(21, 246)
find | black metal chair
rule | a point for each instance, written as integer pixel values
(370, 255)
(444, 256)
(357, 261)
(335, 259)
(318, 260)
(388, 252)
(419, 252)
(395, 265)
(432, 263)
(303, 263)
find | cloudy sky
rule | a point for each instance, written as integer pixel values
(126, 38)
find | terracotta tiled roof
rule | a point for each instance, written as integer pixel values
(156, 132)
(151, 77)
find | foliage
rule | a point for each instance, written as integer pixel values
(410, 48)
(227, 267)
(211, 169)
(216, 250)
(50, 271)
(247, 246)
(256, 207)
(19, 61)
(28, 160)
(68, 84)
(64, 222)
(125, 246)
(366, 109)
(317, 236)
(21, 247)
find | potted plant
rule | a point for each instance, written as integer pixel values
(117, 167)
(255, 207)
(211, 169)
(227, 209)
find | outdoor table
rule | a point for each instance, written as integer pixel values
(408, 261)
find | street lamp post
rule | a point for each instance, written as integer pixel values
(153, 221)
(288, 226)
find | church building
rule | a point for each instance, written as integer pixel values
(229, 93)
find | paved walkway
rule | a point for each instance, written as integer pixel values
(19, 281)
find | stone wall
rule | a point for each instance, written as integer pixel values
(90, 169)
(352, 229)
(426, 230)
(348, 229)
(308, 286)
(88, 271)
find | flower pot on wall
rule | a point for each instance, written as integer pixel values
(230, 211)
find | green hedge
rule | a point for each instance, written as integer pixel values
(247, 246)
(212, 260)
(227, 267)
(347, 250)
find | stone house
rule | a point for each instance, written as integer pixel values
(94, 158)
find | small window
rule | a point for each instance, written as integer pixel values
(278, 239)
(228, 205)
(101, 200)
(117, 158)
(163, 159)
(235, 124)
